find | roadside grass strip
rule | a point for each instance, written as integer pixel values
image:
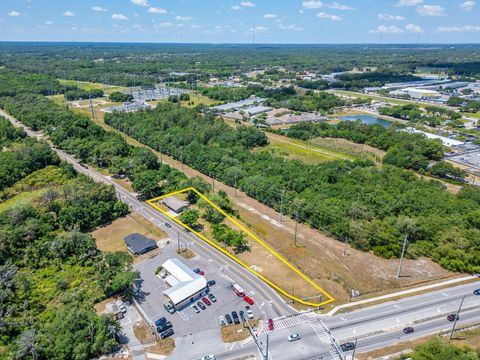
(326, 296)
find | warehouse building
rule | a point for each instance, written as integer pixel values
(185, 286)
(175, 204)
(138, 244)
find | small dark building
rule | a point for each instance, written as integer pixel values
(139, 244)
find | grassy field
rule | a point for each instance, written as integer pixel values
(373, 97)
(85, 85)
(162, 347)
(348, 147)
(20, 199)
(233, 333)
(473, 115)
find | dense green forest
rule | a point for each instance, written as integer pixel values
(373, 206)
(429, 115)
(50, 268)
(405, 150)
(90, 143)
(79, 94)
(14, 82)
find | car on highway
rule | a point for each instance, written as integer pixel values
(160, 321)
(408, 330)
(222, 321)
(228, 318)
(167, 225)
(248, 299)
(294, 337)
(201, 305)
(476, 292)
(169, 308)
(195, 309)
(211, 283)
(249, 312)
(452, 317)
(270, 324)
(164, 326)
(212, 297)
(206, 301)
(208, 357)
(167, 333)
(235, 317)
(348, 346)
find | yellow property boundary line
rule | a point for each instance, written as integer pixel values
(234, 258)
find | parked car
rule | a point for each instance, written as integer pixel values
(169, 308)
(476, 292)
(212, 297)
(242, 314)
(164, 327)
(195, 309)
(236, 320)
(160, 321)
(221, 320)
(198, 271)
(248, 299)
(206, 301)
(347, 346)
(211, 283)
(452, 317)
(208, 357)
(167, 225)
(294, 337)
(249, 312)
(123, 308)
(201, 305)
(167, 333)
(270, 324)
(228, 318)
(408, 330)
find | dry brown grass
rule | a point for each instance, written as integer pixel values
(348, 147)
(162, 347)
(143, 332)
(110, 238)
(233, 333)
(186, 253)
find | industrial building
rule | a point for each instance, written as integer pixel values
(185, 286)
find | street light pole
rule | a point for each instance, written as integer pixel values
(401, 258)
(354, 349)
(456, 317)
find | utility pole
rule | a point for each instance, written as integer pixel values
(235, 186)
(266, 350)
(282, 194)
(354, 349)
(296, 228)
(456, 317)
(401, 258)
(345, 249)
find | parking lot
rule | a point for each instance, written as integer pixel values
(186, 323)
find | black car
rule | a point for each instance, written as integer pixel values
(476, 292)
(167, 225)
(452, 317)
(164, 327)
(228, 318)
(408, 330)
(201, 305)
(211, 283)
(160, 321)
(242, 314)
(167, 333)
(236, 320)
(347, 346)
(212, 297)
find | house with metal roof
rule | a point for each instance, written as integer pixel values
(138, 244)
(185, 286)
(175, 204)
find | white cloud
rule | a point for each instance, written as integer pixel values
(464, 28)
(140, 2)
(409, 3)
(270, 16)
(14, 13)
(236, 7)
(98, 8)
(247, 4)
(164, 25)
(68, 13)
(338, 6)
(467, 5)
(48, 22)
(119, 17)
(156, 10)
(312, 4)
(323, 15)
(431, 10)
(293, 27)
(390, 17)
(413, 28)
(259, 28)
(183, 18)
(387, 30)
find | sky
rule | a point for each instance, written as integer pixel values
(233, 21)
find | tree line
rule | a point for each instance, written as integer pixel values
(373, 206)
